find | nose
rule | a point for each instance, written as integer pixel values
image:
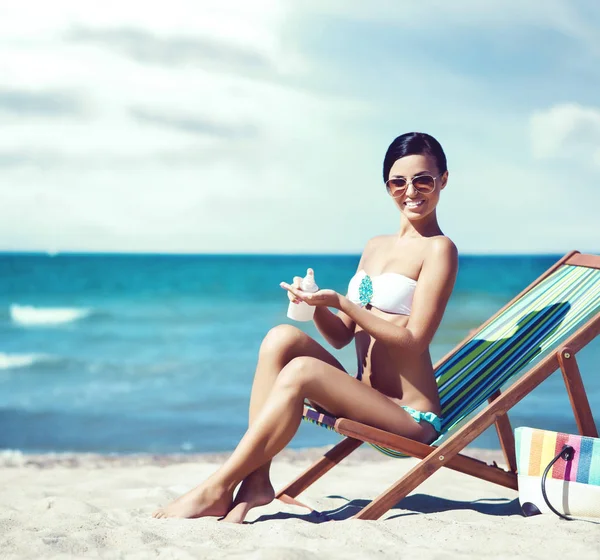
(410, 186)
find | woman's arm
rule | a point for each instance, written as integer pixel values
(336, 328)
(435, 284)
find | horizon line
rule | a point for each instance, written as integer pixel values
(53, 254)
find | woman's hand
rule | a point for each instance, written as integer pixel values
(327, 298)
(296, 285)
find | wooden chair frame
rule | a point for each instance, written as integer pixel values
(447, 453)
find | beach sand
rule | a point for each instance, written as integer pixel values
(83, 505)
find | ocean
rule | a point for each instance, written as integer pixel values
(156, 353)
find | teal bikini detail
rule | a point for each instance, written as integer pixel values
(430, 417)
(365, 290)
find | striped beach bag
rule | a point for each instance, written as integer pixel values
(558, 473)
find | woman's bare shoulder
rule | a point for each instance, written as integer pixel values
(442, 248)
(441, 244)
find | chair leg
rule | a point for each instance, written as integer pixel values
(439, 457)
(318, 469)
(418, 474)
(577, 395)
(506, 437)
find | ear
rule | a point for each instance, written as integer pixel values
(444, 180)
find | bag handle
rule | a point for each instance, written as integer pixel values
(566, 453)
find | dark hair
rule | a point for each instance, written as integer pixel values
(413, 143)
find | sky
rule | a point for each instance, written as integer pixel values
(228, 126)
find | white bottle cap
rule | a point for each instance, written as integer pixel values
(308, 283)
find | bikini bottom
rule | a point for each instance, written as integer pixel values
(430, 417)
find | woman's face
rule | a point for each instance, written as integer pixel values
(415, 204)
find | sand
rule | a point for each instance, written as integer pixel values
(93, 506)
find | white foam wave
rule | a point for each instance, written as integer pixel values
(12, 458)
(9, 361)
(29, 315)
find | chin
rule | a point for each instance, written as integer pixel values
(410, 212)
(416, 217)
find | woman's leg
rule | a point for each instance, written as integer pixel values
(279, 347)
(278, 420)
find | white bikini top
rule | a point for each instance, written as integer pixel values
(390, 292)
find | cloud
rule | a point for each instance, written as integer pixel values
(49, 103)
(577, 20)
(197, 125)
(149, 48)
(566, 131)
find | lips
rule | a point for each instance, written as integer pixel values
(414, 203)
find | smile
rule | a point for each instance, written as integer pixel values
(414, 203)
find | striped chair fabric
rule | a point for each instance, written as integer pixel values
(524, 333)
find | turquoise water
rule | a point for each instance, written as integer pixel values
(150, 353)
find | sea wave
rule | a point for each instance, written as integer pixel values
(29, 315)
(10, 361)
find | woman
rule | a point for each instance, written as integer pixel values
(394, 305)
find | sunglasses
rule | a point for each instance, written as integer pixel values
(424, 184)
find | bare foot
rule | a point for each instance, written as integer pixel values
(254, 491)
(204, 500)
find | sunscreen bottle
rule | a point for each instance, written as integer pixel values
(302, 311)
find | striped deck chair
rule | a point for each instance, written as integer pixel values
(537, 333)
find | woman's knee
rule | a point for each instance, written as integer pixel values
(282, 341)
(298, 373)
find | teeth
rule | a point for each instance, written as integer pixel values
(414, 204)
